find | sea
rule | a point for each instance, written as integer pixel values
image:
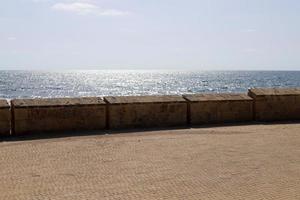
(85, 83)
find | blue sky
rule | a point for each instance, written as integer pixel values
(153, 34)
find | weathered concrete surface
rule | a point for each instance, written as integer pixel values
(5, 118)
(219, 108)
(145, 99)
(61, 114)
(146, 111)
(58, 102)
(243, 162)
(272, 104)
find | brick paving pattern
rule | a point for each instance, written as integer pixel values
(240, 162)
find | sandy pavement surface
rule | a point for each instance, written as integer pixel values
(232, 162)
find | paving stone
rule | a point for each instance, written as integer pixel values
(241, 162)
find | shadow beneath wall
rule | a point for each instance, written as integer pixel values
(66, 134)
(245, 124)
(212, 125)
(141, 130)
(50, 135)
(281, 122)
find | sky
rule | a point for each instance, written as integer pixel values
(150, 34)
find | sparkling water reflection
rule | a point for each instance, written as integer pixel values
(30, 84)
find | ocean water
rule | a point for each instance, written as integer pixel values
(33, 84)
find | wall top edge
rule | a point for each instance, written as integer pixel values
(275, 91)
(56, 102)
(217, 97)
(4, 103)
(91, 101)
(144, 99)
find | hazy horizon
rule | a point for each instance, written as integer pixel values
(151, 69)
(143, 35)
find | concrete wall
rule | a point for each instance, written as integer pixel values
(64, 114)
(146, 111)
(271, 104)
(5, 118)
(219, 108)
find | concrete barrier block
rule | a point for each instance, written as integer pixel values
(271, 104)
(146, 111)
(58, 114)
(5, 117)
(219, 108)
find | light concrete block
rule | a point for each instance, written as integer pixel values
(5, 117)
(146, 111)
(272, 104)
(58, 114)
(219, 108)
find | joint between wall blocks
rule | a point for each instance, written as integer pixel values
(107, 118)
(188, 110)
(12, 117)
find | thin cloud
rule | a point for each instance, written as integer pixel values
(66, 1)
(249, 30)
(84, 8)
(250, 50)
(11, 38)
(41, 1)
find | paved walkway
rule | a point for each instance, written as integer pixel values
(240, 162)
